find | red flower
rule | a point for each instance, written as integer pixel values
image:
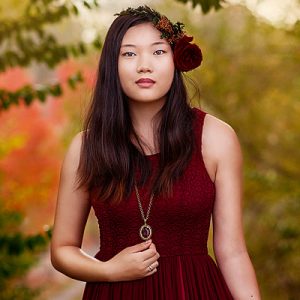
(187, 56)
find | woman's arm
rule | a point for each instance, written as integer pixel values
(223, 155)
(72, 210)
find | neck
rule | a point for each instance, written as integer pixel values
(144, 120)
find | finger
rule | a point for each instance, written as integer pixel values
(154, 270)
(154, 265)
(149, 253)
(151, 261)
(141, 246)
(151, 273)
(152, 246)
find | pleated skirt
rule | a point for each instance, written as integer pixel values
(181, 277)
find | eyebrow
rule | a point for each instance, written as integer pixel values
(153, 44)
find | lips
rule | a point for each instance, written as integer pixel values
(145, 80)
(145, 83)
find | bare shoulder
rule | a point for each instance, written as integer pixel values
(219, 140)
(217, 130)
(75, 145)
(72, 156)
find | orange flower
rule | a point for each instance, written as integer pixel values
(165, 25)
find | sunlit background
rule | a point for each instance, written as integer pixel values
(249, 78)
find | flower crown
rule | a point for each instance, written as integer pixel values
(187, 56)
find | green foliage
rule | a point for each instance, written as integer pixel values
(250, 78)
(206, 5)
(28, 93)
(30, 40)
(27, 39)
(18, 252)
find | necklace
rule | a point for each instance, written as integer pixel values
(145, 230)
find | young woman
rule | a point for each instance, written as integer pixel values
(154, 170)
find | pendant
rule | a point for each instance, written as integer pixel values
(145, 232)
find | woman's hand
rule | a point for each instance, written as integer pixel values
(133, 262)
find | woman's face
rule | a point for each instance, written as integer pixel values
(146, 66)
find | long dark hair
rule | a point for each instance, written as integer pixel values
(108, 158)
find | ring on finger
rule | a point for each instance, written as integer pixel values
(150, 268)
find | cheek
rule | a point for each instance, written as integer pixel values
(123, 74)
(167, 73)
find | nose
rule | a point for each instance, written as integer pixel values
(144, 69)
(144, 66)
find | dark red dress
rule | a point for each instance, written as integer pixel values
(180, 231)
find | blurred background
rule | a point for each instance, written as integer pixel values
(249, 78)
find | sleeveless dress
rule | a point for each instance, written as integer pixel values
(180, 228)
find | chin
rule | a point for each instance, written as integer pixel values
(148, 99)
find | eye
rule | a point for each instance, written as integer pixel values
(160, 52)
(128, 54)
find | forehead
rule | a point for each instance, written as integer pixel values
(141, 34)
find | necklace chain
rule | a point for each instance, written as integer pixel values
(145, 230)
(140, 204)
